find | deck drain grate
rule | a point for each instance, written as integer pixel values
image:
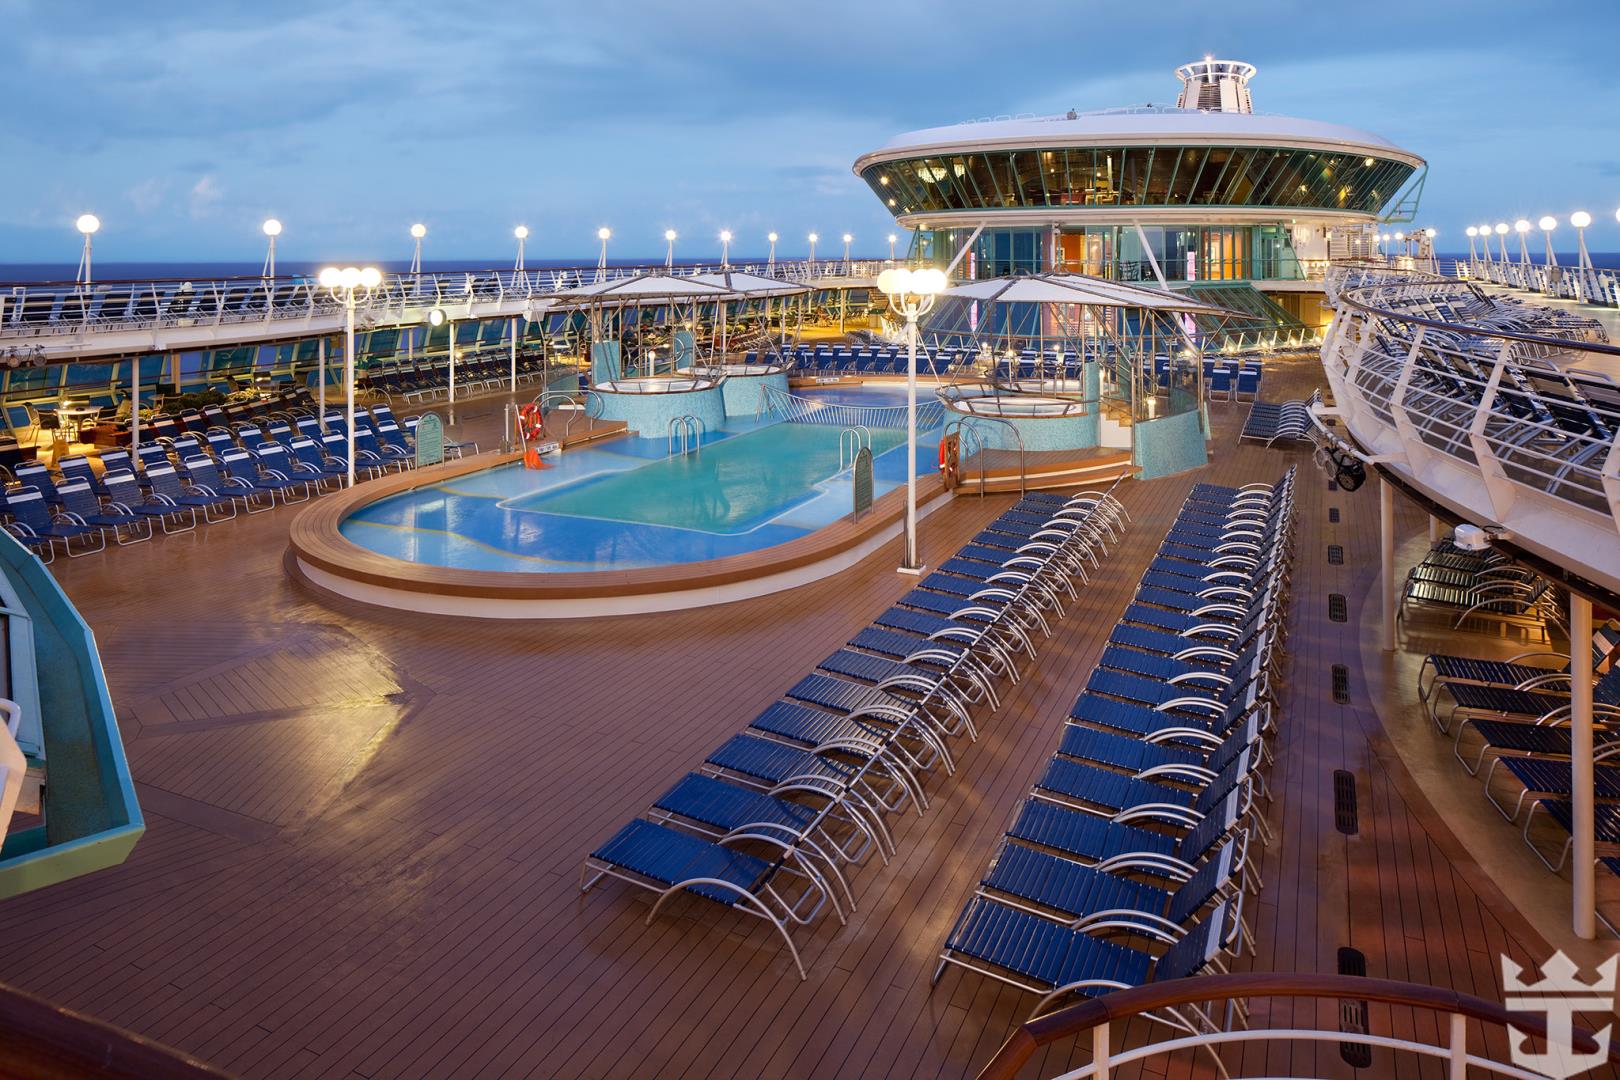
(1353, 1012)
(1333, 485)
(1333, 514)
(1341, 684)
(1335, 554)
(1337, 610)
(1346, 818)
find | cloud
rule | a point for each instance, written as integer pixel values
(205, 196)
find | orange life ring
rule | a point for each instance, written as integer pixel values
(531, 421)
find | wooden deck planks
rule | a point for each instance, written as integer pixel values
(423, 918)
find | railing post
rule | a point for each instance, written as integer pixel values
(1457, 1067)
(1100, 1052)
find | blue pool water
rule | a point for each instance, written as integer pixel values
(626, 503)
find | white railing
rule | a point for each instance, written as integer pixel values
(54, 309)
(1586, 285)
(1502, 408)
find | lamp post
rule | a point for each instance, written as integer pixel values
(892, 239)
(417, 232)
(669, 249)
(1522, 227)
(602, 234)
(725, 249)
(1485, 243)
(1472, 232)
(1501, 239)
(522, 234)
(1580, 219)
(1434, 262)
(87, 226)
(813, 239)
(911, 293)
(770, 263)
(344, 285)
(847, 239)
(1548, 223)
(272, 229)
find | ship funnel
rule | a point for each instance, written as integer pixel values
(1215, 85)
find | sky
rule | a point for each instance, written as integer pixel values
(185, 125)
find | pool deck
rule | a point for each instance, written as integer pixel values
(365, 827)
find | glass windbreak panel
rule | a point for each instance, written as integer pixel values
(1138, 176)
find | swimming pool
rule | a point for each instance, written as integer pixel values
(627, 503)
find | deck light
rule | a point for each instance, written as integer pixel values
(1581, 219)
(770, 262)
(272, 229)
(669, 248)
(911, 293)
(892, 239)
(1501, 228)
(813, 239)
(1548, 223)
(417, 232)
(1431, 233)
(87, 224)
(1617, 215)
(1521, 226)
(725, 247)
(521, 232)
(436, 317)
(344, 285)
(1473, 232)
(604, 233)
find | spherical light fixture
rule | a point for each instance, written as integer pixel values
(1501, 228)
(725, 236)
(1580, 219)
(349, 277)
(604, 233)
(814, 238)
(1548, 223)
(1472, 231)
(521, 232)
(928, 282)
(848, 238)
(418, 230)
(669, 235)
(272, 227)
(87, 223)
(370, 277)
(894, 281)
(436, 317)
(1431, 233)
(330, 277)
(893, 238)
(771, 237)
(1521, 226)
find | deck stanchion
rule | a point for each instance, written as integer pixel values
(1457, 1059)
(1584, 855)
(320, 399)
(1386, 559)
(135, 405)
(514, 353)
(451, 326)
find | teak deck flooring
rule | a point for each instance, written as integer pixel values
(366, 828)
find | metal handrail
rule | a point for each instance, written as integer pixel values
(1098, 1016)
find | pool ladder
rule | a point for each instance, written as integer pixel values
(851, 441)
(685, 434)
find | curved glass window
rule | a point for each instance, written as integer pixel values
(1138, 176)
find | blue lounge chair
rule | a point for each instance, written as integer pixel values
(81, 506)
(36, 525)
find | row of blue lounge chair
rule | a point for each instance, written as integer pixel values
(1130, 859)
(1479, 586)
(177, 483)
(1509, 721)
(775, 819)
(477, 370)
(863, 359)
(1273, 421)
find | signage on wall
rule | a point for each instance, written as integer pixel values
(429, 439)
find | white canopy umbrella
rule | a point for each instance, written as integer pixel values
(747, 287)
(1081, 289)
(642, 287)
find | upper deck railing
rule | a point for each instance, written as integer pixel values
(63, 317)
(1508, 412)
(1585, 285)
